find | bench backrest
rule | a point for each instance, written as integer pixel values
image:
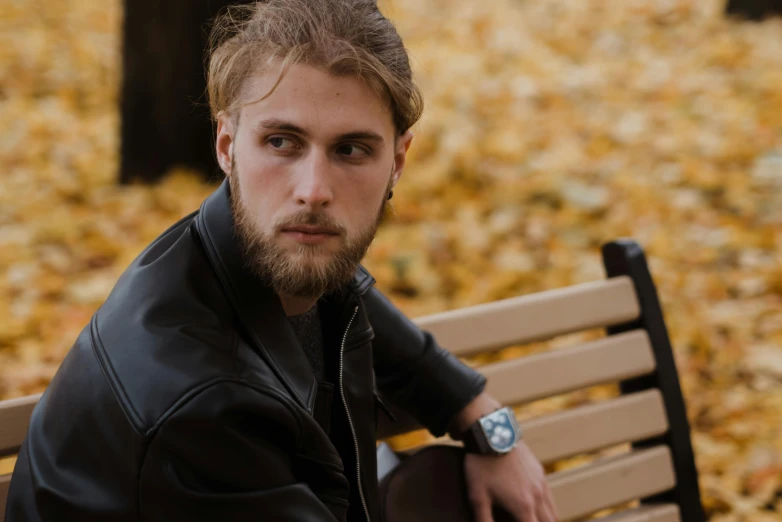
(659, 469)
(650, 413)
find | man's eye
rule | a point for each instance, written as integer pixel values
(351, 150)
(278, 142)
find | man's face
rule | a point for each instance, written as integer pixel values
(310, 167)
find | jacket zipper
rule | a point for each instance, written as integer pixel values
(347, 411)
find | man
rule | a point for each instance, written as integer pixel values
(232, 372)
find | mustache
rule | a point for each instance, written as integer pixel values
(310, 219)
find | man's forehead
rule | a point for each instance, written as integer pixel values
(315, 101)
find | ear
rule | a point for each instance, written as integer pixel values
(400, 155)
(224, 143)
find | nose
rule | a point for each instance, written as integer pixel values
(313, 182)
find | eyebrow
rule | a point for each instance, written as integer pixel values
(278, 124)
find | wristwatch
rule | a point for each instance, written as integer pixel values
(494, 434)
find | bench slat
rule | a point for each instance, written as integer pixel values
(534, 317)
(596, 426)
(14, 418)
(647, 513)
(563, 370)
(546, 374)
(5, 481)
(609, 482)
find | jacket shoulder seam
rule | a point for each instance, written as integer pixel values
(223, 379)
(134, 418)
(121, 395)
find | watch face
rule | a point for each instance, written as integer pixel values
(501, 430)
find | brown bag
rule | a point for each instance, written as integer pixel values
(426, 486)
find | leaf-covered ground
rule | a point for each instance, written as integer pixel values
(551, 127)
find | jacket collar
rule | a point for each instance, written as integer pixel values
(259, 309)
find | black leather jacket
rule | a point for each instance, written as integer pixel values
(188, 397)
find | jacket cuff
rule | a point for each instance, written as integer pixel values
(443, 388)
(464, 385)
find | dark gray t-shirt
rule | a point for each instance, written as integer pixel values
(307, 329)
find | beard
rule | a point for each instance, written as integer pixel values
(308, 270)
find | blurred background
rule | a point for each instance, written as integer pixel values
(551, 127)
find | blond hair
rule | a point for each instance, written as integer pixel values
(344, 37)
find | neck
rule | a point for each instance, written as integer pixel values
(297, 305)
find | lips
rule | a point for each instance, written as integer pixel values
(310, 235)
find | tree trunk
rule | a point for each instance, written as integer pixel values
(754, 9)
(164, 111)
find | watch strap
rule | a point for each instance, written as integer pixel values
(475, 441)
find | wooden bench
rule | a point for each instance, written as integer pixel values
(659, 469)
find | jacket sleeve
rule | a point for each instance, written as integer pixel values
(227, 454)
(414, 372)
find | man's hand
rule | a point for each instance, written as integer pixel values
(515, 481)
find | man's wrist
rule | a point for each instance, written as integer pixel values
(482, 405)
